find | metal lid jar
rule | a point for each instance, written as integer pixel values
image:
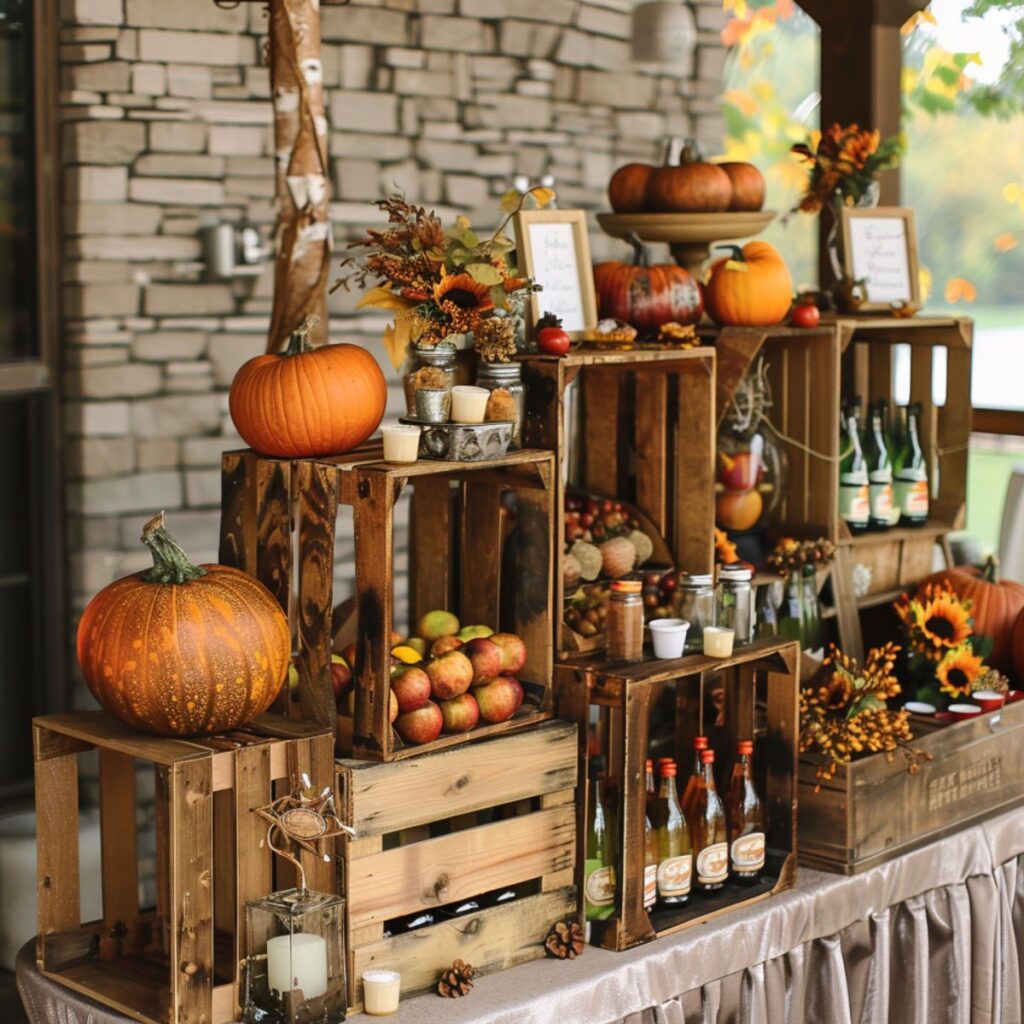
(734, 600)
(508, 395)
(694, 601)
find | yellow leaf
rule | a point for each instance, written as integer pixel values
(908, 80)
(397, 337)
(1005, 242)
(510, 201)
(959, 288)
(924, 277)
(915, 19)
(382, 297)
(462, 222)
(543, 196)
(408, 655)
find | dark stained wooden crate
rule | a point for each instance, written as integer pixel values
(874, 810)
(766, 673)
(448, 826)
(181, 960)
(278, 523)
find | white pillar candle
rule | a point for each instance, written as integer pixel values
(401, 442)
(718, 641)
(381, 990)
(469, 404)
(297, 961)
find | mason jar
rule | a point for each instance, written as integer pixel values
(508, 395)
(431, 371)
(734, 600)
(694, 601)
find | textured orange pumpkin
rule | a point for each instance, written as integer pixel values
(306, 402)
(646, 296)
(627, 189)
(747, 185)
(183, 650)
(996, 606)
(691, 186)
(1017, 648)
(750, 288)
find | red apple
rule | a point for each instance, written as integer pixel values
(411, 688)
(341, 675)
(486, 657)
(422, 725)
(349, 654)
(444, 645)
(460, 714)
(513, 656)
(739, 472)
(450, 675)
(499, 699)
(392, 707)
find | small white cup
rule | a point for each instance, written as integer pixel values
(381, 990)
(469, 404)
(718, 641)
(401, 442)
(668, 637)
(919, 707)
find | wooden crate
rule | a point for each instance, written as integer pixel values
(180, 961)
(645, 434)
(445, 827)
(874, 810)
(764, 674)
(274, 507)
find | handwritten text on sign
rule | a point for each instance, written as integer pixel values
(878, 246)
(553, 247)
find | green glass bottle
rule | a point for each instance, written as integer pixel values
(879, 460)
(854, 496)
(910, 474)
(599, 867)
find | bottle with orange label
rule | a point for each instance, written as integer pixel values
(745, 814)
(675, 854)
(708, 832)
(910, 475)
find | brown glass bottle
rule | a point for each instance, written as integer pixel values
(649, 787)
(708, 832)
(699, 743)
(745, 814)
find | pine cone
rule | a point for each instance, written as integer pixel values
(565, 940)
(456, 981)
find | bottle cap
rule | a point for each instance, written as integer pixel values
(649, 765)
(626, 586)
(745, 747)
(700, 743)
(667, 768)
(707, 757)
(664, 760)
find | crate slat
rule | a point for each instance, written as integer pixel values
(118, 857)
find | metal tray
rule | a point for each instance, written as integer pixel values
(462, 442)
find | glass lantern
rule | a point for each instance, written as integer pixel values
(295, 964)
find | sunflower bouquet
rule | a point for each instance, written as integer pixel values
(439, 281)
(846, 715)
(844, 162)
(945, 656)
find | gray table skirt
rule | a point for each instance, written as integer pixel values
(934, 936)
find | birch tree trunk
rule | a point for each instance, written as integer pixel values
(303, 234)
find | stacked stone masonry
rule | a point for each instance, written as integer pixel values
(166, 126)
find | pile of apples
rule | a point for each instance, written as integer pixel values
(447, 678)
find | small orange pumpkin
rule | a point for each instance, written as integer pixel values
(691, 186)
(183, 649)
(747, 185)
(627, 188)
(750, 288)
(305, 402)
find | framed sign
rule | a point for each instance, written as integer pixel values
(553, 249)
(880, 248)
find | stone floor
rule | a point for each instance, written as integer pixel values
(11, 1010)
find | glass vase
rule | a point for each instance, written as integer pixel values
(834, 239)
(800, 614)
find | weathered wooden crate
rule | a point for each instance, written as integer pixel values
(635, 425)
(179, 961)
(278, 523)
(764, 675)
(874, 810)
(443, 828)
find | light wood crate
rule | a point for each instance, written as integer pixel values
(444, 827)
(179, 962)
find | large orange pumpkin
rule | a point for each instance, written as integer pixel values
(627, 188)
(996, 605)
(182, 649)
(646, 296)
(306, 402)
(691, 186)
(750, 288)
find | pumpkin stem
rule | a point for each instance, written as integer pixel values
(641, 258)
(735, 252)
(299, 340)
(990, 570)
(170, 563)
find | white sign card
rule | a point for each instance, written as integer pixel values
(880, 249)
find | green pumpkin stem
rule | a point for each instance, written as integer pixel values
(735, 252)
(170, 563)
(299, 340)
(990, 570)
(641, 258)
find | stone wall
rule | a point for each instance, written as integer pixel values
(166, 126)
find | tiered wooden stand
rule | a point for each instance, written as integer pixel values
(274, 508)
(180, 961)
(761, 676)
(441, 829)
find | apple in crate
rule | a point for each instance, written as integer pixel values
(513, 656)
(472, 632)
(444, 645)
(411, 688)
(486, 657)
(450, 675)
(422, 725)
(437, 624)
(341, 675)
(499, 699)
(460, 714)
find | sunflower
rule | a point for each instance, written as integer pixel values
(463, 300)
(944, 621)
(958, 670)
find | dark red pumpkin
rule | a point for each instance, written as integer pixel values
(747, 185)
(691, 186)
(627, 189)
(646, 296)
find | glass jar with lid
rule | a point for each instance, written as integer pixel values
(431, 371)
(505, 383)
(625, 621)
(734, 600)
(694, 601)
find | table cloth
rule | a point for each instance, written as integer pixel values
(936, 935)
